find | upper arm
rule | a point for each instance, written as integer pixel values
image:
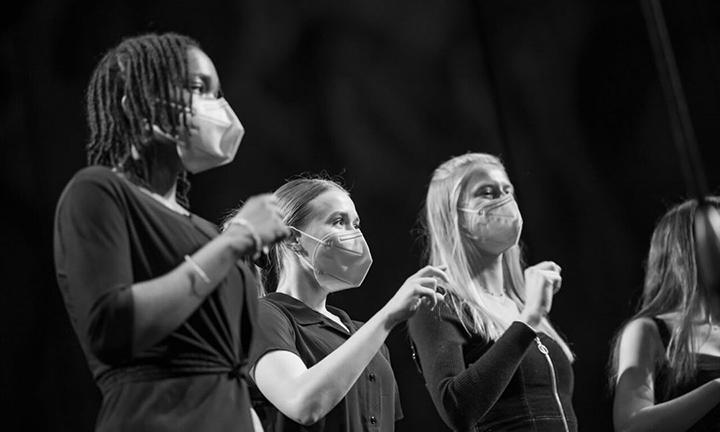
(438, 344)
(274, 373)
(275, 361)
(92, 255)
(639, 351)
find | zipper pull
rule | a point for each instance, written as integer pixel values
(542, 348)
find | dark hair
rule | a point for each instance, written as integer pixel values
(128, 92)
(671, 285)
(294, 199)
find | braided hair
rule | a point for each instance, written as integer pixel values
(128, 92)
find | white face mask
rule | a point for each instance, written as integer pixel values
(213, 136)
(495, 224)
(340, 260)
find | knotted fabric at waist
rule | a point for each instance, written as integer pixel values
(184, 365)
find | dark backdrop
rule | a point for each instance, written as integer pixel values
(381, 93)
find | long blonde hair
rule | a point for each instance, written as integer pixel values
(446, 244)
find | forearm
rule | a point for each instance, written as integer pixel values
(257, 424)
(466, 394)
(162, 304)
(320, 388)
(675, 415)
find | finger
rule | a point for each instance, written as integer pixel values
(550, 274)
(282, 233)
(557, 285)
(428, 282)
(436, 272)
(428, 295)
(416, 304)
(438, 297)
(548, 265)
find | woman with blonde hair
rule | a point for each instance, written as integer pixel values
(316, 369)
(665, 368)
(490, 358)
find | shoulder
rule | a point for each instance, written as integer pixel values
(93, 192)
(642, 326)
(440, 322)
(269, 306)
(95, 181)
(96, 174)
(443, 312)
(641, 336)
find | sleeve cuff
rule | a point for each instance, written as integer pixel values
(523, 328)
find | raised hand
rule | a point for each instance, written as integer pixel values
(420, 288)
(260, 215)
(541, 282)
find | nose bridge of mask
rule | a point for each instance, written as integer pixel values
(213, 110)
(350, 242)
(485, 207)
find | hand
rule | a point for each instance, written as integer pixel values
(262, 216)
(420, 288)
(541, 282)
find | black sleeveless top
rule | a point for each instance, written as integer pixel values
(708, 369)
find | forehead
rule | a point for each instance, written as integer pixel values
(330, 202)
(486, 175)
(200, 64)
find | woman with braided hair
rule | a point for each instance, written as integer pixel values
(162, 304)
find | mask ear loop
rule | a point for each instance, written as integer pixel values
(322, 242)
(299, 255)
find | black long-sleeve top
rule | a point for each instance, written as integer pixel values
(505, 384)
(110, 235)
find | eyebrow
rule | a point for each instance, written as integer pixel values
(342, 213)
(206, 78)
(486, 183)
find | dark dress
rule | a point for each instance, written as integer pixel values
(372, 404)
(109, 235)
(708, 369)
(481, 385)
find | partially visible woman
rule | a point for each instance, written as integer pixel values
(489, 356)
(163, 309)
(665, 368)
(317, 369)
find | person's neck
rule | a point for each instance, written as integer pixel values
(712, 309)
(163, 180)
(299, 283)
(487, 274)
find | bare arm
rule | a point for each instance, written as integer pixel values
(257, 424)
(164, 303)
(634, 406)
(308, 394)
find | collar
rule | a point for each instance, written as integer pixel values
(304, 315)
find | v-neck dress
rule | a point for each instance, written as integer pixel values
(707, 369)
(110, 235)
(372, 404)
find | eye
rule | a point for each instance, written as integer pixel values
(356, 225)
(487, 192)
(197, 87)
(338, 221)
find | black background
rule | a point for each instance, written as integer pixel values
(380, 92)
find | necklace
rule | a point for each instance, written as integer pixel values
(492, 294)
